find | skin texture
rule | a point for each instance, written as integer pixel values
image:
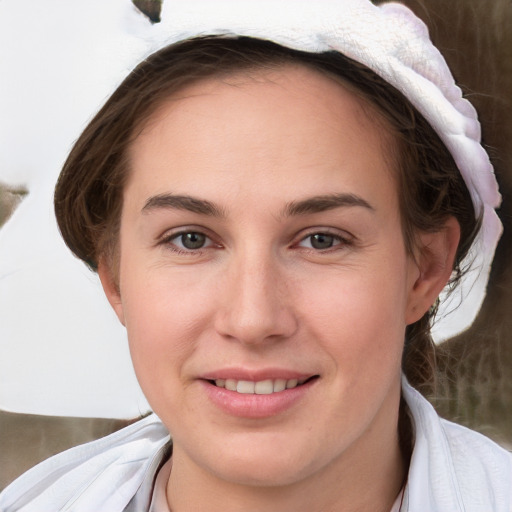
(259, 297)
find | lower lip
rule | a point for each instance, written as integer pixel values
(256, 406)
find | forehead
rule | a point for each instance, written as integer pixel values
(283, 126)
(310, 88)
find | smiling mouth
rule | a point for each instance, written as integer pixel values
(262, 387)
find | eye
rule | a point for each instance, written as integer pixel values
(192, 240)
(322, 241)
(187, 241)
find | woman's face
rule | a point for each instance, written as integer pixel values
(261, 249)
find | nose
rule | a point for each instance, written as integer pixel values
(255, 302)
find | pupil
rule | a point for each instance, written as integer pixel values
(193, 240)
(322, 241)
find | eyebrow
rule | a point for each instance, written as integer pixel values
(310, 205)
(182, 202)
(323, 203)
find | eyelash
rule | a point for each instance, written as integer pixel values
(169, 241)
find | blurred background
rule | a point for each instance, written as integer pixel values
(474, 368)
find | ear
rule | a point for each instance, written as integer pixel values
(111, 288)
(434, 257)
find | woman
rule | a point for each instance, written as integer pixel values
(271, 216)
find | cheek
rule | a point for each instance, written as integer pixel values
(166, 313)
(360, 316)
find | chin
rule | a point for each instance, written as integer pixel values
(263, 473)
(263, 460)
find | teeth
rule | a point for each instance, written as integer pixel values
(292, 383)
(279, 385)
(245, 387)
(262, 387)
(230, 384)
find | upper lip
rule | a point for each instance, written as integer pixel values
(256, 375)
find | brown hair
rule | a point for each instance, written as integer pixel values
(88, 196)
